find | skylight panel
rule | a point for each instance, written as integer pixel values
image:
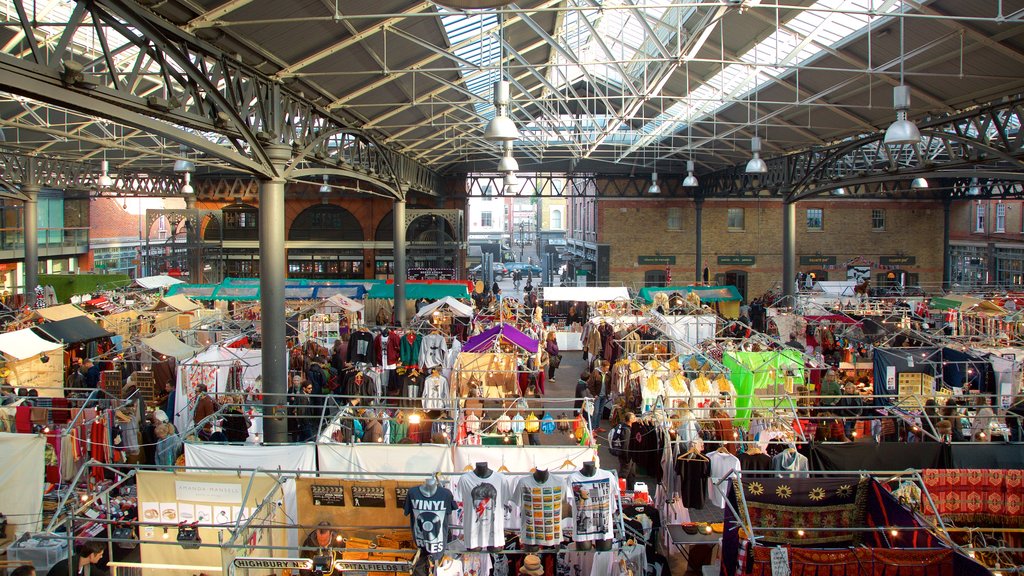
(472, 39)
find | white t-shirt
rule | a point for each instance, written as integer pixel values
(721, 465)
(449, 567)
(483, 503)
(540, 505)
(435, 393)
(592, 500)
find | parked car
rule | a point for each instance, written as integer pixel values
(524, 268)
(500, 272)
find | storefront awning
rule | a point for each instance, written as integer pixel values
(167, 343)
(22, 344)
(72, 330)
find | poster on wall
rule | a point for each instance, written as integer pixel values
(368, 496)
(327, 495)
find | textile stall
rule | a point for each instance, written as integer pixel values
(764, 380)
(382, 297)
(568, 308)
(448, 315)
(224, 370)
(725, 300)
(24, 366)
(328, 319)
(496, 364)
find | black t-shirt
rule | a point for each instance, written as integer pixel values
(429, 518)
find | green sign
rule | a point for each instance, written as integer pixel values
(656, 260)
(736, 260)
(897, 260)
(818, 260)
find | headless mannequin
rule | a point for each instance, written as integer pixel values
(589, 469)
(541, 476)
(429, 487)
(483, 471)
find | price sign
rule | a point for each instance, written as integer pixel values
(780, 561)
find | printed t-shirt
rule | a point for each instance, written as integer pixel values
(483, 504)
(540, 505)
(430, 518)
(591, 501)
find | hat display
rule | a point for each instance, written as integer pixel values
(531, 566)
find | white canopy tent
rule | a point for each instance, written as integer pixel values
(167, 343)
(585, 293)
(158, 282)
(24, 351)
(457, 308)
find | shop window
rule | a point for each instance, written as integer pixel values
(815, 219)
(819, 275)
(878, 220)
(1000, 217)
(675, 218)
(734, 219)
(485, 220)
(655, 278)
(326, 222)
(979, 217)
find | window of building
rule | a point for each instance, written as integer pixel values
(979, 217)
(161, 228)
(655, 278)
(878, 219)
(675, 218)
(556, 218)
(815, 219)
(734, 219)
(485, 220)
(1000, 217)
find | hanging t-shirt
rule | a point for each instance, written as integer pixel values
(591, 498)
(449, 567)
(430, 518)
(721, 464)
(693, 474)
(635, 556)
(483, 503)
(540, 505)
(435, 393)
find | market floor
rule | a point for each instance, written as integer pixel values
(564, 386)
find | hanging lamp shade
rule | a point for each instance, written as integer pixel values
(186, 188)
(690, 181)
(902, 131)
(919, 184)
(501, 128)
(654, 189)
(508, 162)
(104, 181)
(756, 165)
(511, 179)
(325, 188)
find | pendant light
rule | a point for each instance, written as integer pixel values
(508, 162)
(756, 165)
(183, 164)
(104, 181)
(186, 188)
(511, 179)
(654, 188)
(501, 128)
(919, 184)
(902, 131)
(690, 181)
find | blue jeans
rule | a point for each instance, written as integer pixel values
(595, 418)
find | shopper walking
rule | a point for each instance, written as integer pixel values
(600, 386)
(554, 358)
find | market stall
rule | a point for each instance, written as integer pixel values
(223, 370)
(724, 300)
(568, 308)
(764, 380)
(448, 315)
(32, 362)
(382, 297)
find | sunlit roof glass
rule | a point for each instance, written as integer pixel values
(471, 37)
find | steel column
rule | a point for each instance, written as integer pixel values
(31, 229)
(400, 270)
(274, 350)
(698, 229)
(789, 252)
(947, 263)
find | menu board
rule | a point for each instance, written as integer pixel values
(328, 495)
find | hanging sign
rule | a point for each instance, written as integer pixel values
(780, 561)
(897, 260)
(431, 274)
(328, 495)
(207, 492)
(368, 496)
(254, 563)
(736, 260)
(372, 566)
(818, 260)
(890, 379)
(656, 260)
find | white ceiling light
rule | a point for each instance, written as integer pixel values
(186, 188)
(325, 188)
(508, 162)
(511, 179)
(654, 189)
(839, 191)
(902, 131)
(104, 181)
(501, 128)
(756, 165)
(919, 184)
(690, 181)
(183, 164)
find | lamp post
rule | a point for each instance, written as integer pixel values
(522, 241)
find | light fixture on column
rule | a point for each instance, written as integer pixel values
(501, 128)
(919, 184)
(756, 165)
(186, 188)
(902, 131)
(654, 188)
(104, 181)
(690, 181)
(508, 162)
(325, 188)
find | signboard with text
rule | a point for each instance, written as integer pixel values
(431, 274)
(656, 260)
(897, 260)
(737, 260)
(818, 260)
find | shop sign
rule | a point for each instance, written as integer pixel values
(207, 491)
(368, 497)
(371, 566)
(818, 260)
(431, 274)
(328, 495)
(656, 260)
(255, 563)
(897, 260)
(736, 260)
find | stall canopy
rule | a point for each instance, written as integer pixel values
(177, 302)
(727, 297)
(167, 343)
(62, 312)
(486, 340)
(238, 293)
(457, 308)
(761, 376)
(72, 331)
(339, 301)
(417, 291)
(967, 304)
(155, 282)
(585, 293)
(836, 287)
(193, 291)
(353, 291)
(24, 344)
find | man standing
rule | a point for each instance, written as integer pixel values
(600, 385)
(205, 406)
(83, 563)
